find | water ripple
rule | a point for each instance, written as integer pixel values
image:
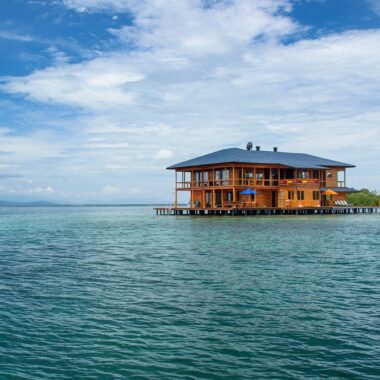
(115, 293)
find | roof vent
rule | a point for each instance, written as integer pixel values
(249, 146)
(257, 147)
(275, 149)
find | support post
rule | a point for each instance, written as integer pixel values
(175, 194)
(344, 177)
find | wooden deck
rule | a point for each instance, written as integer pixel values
(265, 211)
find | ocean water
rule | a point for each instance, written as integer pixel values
(120, 293)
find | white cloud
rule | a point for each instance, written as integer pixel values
(163, 154)
(97, 5)
(191, 28)
(38, 190)
(95, 84)
(110, 190)
(105, 145)
(375, 6)
(16, 36)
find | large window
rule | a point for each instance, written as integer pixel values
(198, 178)
(301, 195)
(205, 178)
(291, 195)
(316, 195)
(223, 176)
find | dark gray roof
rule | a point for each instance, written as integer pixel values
(341, 189)
(294, 160)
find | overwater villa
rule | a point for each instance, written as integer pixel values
(246, 179)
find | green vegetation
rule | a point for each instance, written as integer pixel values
(364, 198)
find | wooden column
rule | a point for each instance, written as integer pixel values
(233, 186)
(175, 194)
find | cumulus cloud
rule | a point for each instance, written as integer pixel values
(191, 28)
(94, 84)
(189, 79)
(163, 154)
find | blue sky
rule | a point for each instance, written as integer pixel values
(97, 97)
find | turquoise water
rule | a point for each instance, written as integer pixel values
(120, 293)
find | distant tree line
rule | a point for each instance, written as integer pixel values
(364, 198)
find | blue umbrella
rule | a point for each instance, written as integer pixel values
(248, 192)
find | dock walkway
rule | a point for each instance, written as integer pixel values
(265, 211)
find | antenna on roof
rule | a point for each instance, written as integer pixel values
(249, 146)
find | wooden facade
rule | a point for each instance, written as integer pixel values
(276, 186)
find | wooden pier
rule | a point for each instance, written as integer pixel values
(265, 211)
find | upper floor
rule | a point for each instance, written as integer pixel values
(258, 176)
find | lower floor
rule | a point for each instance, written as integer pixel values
(277, 198)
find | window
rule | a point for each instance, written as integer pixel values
(208, 199)
(329, 174)
(291, 195)
(229, 196)
(274, 173)
(301, 195)
(222, 174)
(198, 178)
(259, 174)
(316, 196)
(303, 174)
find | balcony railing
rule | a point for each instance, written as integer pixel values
(248, 183)
(300, 182)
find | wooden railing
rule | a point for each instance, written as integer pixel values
(248, 183)
(300, 182)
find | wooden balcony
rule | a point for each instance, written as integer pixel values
(300, 182)
(187, 185)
